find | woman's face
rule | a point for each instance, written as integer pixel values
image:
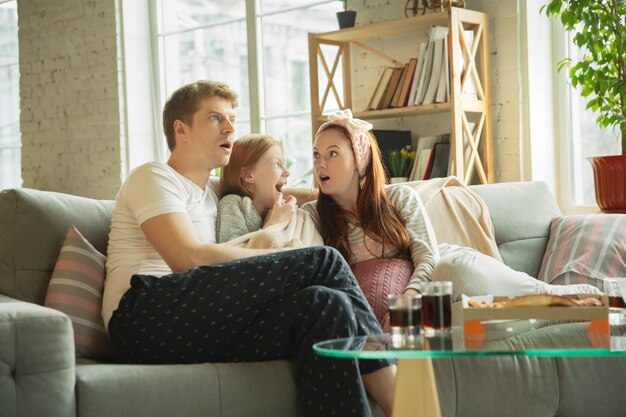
(267, 177)
(334, 165)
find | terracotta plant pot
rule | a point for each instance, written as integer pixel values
(609, 174)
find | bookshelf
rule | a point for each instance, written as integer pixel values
(475, 149)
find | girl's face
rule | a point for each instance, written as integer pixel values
(334, 165)
(267, 177)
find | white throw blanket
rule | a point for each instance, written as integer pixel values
(300, 228)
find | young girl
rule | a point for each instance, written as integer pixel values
(364, 219)
(251, 186)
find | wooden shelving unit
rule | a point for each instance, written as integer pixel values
(479, 159)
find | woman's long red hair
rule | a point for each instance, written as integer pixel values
(375, 214)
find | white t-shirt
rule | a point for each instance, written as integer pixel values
(149, 191)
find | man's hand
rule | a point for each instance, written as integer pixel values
(283, 210)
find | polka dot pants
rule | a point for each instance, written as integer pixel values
(262, 308)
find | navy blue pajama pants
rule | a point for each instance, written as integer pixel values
(255, 309)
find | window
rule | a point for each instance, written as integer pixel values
(219, 40)
(580, 137)
(10, 142)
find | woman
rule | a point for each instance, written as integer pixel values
(364, 219)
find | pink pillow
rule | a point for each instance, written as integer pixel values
(76, 289)
(380, 277)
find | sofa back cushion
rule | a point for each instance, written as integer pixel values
(33, 225)
(521, 214)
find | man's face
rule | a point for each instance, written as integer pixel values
(210, 135)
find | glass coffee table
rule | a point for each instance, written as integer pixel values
(416, 390)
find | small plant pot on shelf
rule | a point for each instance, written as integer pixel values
(609, 175)
(346, 19)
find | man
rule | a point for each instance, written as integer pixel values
(172, 295)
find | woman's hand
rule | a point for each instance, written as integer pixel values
(283, 210)
(411, 292)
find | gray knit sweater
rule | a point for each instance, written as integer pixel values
(236, 216)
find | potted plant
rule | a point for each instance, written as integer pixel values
(399, 163)
(600, 27)
(346, 18)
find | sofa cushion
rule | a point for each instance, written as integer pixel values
(33, 225)
(585, 249)
(220, 389)
(37, 372)
(76, 289)
(381, 277)
(521, 214)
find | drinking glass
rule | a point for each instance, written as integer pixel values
(405, 319)
(436, 307)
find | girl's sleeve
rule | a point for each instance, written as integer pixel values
(231, 218)
(422, 241)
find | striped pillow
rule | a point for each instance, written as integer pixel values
(585, 249)
(76, 289)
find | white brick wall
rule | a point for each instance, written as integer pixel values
(70, 116)
(505, 76)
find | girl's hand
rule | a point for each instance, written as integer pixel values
(283, 211)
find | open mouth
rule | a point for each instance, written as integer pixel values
(323, 178)
(279, 187)
(227, 145)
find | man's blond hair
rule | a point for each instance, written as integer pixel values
(185, 102)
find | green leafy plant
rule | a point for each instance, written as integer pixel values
(399, 161)
(600, 27)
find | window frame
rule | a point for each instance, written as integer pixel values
(18, 143)
(568, 139)
(256, 91)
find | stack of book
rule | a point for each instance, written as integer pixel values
(433, 156)
(423, 80)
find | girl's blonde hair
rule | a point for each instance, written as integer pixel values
(246, 152)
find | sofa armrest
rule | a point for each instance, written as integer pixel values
(37, 364)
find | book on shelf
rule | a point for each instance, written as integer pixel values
(435, 75)
(396, 94)
(443, 90)
(429, 164)
(417, 73)
(419, 166)
(423, 147)
(425, 73)
(408, 81)
(441, 157)
(383, 82)
(430, 66)
(391, 88)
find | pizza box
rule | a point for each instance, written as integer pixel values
(578, 313)
(485, 322)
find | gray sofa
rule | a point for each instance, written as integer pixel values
(39, 375)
